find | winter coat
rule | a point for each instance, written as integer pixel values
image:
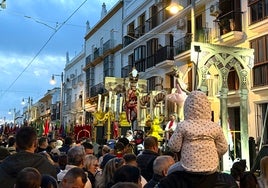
(200, 140)
(145, 162)
(183, 179)
(13, 164)
(154, 181)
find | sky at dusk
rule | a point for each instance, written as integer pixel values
(35, 36)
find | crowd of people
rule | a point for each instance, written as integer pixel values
(192, 160)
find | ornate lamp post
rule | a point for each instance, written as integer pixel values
(53, 82)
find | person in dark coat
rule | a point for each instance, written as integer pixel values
(160, 167)
(262, 153)
(68, 141)
(184, 179)
(146, 159)
(3, 153)
(26, 143)
(127, 173)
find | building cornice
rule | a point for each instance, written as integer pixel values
(96, 28)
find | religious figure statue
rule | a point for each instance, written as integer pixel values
(132, 98)
(123, 119)
(179, 93)
(156, 129)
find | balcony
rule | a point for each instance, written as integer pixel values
(228, 29)
(140, 65)
(163, 54)
(183, 44)
(128, 39)
(108, 46)
(151, 61)
(157, 19)
(139, 31)
(96, 53)
(97, 89)
(150, 24)
(259, 26)
(88, 59)
(125, 71)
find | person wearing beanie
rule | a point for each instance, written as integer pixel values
(200, 140)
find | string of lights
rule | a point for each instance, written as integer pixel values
(41, 49)
(45, 22)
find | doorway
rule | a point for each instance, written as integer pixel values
(234, 127)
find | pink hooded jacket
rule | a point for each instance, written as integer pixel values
(200, 140)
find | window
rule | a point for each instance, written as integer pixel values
(140, 30)
(130, 29)
(139, 53)
(152, 47)
(151, 83)
(87, 82)
(131, 60)
(92, 76)
(260, 69)
(258, 10)
(230, 18)
(261, 113)
(233, 80)
(139, 58)
(153, 20)
(108, 67)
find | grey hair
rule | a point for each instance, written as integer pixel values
(90, 159)
(76, 155)
(162, 163)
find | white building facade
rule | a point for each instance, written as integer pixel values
(74, 89)
(228, 34)
(219, 47)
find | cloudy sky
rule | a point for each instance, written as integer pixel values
(35, 36)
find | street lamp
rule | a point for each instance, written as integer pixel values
(29, 101)
(3, 4)
(174, 7)
(198, 50)
(53, 82)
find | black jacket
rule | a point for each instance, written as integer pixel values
(182, 179)
(263, 152)
(13, 164)
(155, 180)
(65, 148)
(145, 162)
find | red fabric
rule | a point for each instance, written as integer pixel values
(170, 124)
(46, 127)
(77, 129)
(115, 130)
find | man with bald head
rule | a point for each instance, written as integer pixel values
(160, 168)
